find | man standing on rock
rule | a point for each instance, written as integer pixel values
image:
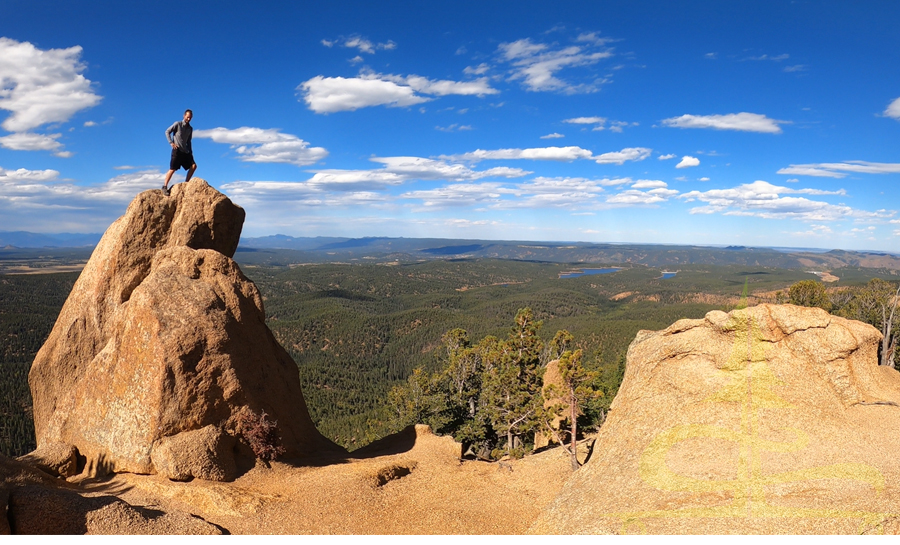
(182, 156)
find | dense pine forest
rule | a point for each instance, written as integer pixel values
(358, 330)
(29, 305)
(355, 330)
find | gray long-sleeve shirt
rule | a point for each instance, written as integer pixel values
(182, 132)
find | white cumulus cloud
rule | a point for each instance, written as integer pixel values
(543, 184)
(430, 169)
(459, 195)
(327, 95)
(893, 109)
(364, 45)
(688, 161)
(586, 120)
(479, 70)
(27, 198)
(41, 86)
(25, 175)
(454, 127)
(552, 153)
(292, 195)
(733, 122)
(649, 184)
(393, 171)
(573, 194)
(764, 200)
(30, 141)
(634, 197)
(335, 94)
(839, 170)
(619, 157)
(265, 145)
(537, 65)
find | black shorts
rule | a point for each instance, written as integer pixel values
(181, 159)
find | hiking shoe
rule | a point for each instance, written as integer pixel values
(165, 191)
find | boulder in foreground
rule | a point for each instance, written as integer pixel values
(773, 419)
(162, 336)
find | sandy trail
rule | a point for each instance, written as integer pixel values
(419, 489)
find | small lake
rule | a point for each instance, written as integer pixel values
(668, 274)
(586, 272)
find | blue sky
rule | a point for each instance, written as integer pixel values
(766, 123)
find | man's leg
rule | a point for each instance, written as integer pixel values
(168, 177)
(190, 172)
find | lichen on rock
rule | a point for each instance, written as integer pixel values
(773, 419)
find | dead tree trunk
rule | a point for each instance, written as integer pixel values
(573, 416)
(888, 341)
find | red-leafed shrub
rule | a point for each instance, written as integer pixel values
(261, 434)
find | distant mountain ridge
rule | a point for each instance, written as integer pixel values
(284, 249)
(24, 239)
(321, 249)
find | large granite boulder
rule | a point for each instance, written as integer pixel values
(163, 335)
(770, 419)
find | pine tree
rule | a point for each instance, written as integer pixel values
(809, 293)
(415, 402)
(573, 392)
(512, 383)
(461, 383)
(461, 377)
(562, 341)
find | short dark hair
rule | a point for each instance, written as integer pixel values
(192, 111)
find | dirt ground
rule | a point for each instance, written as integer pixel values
(411, 485)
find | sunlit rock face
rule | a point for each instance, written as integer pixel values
(769, 419)
(163, 335)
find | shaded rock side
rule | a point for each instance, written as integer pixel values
(15, 474)
(771, 419)
(38, 510)
(57, 459)
(163, 334)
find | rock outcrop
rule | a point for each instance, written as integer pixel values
(15, 474)
(57, 459)
(162, 336)
(551, 378)
(40, 510)
(771, 419)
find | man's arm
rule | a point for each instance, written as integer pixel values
(169, 132)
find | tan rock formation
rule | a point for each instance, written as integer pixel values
(57, 459)
(203, 454)
(771, 419)
(13, 475)
(162, 334)
(407, 438)
(38, 510)
(551, 378)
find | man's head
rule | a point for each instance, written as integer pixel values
(188, 115)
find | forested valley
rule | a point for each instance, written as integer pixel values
(360, 331)
(29, 305)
